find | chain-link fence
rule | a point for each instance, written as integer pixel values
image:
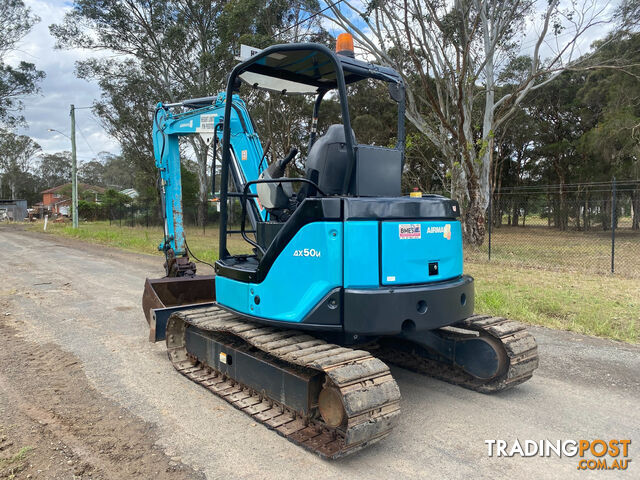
(150, 215)
(587, 227)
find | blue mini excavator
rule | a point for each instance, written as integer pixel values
(343, 274)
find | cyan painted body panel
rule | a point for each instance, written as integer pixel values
(409, 246)
(304, 272)
(361, 254)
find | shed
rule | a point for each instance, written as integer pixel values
(13, 209)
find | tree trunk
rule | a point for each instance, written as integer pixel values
(578, 212)
(563, 213)
(479, 167)
(635, 209)
(496, 215)
(203, 185)
(563, 209)
(606, 214)
(474, 222)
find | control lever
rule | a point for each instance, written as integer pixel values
(277, 168)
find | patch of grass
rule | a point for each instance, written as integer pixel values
(11, 466)
(594, 304)
(600, 305)
(146, 239)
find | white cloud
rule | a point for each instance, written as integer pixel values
(60, 89)
(596, 13)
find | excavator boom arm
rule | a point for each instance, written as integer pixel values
(204, 118)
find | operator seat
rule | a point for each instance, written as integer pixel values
(327, 162)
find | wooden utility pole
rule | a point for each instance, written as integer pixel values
(74, 170)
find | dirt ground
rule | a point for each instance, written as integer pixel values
(83, 394)
(54, 424)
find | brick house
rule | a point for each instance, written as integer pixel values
(58, 203)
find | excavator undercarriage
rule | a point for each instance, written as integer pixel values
(330, 399)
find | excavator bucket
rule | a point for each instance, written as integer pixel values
(164, 296)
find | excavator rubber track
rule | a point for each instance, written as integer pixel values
(367, 391)
(519, 356)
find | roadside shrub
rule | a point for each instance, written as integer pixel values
(92, 211)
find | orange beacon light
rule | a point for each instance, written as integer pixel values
(344, 45)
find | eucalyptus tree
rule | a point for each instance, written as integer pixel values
(54, 169)
(611, 98)
(628, 14)
(18, 81)
(451, 55)
(151, 50)
(147, 50)
(17, 158)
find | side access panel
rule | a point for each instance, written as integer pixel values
(416, 252)
(361, 254)
(307, 269)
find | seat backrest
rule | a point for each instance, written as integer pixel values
(327, 160)
(377, 172)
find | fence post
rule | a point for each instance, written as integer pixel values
(490, 219)
(613, 223)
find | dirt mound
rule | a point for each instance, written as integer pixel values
(54, 424)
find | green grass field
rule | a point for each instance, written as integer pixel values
(145, 239)
(568, 297)
(572, 251)
(601, 305)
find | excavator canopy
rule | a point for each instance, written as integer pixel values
(306, 68)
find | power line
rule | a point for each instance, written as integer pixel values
(86, 141)
(331, 5)
(556, 192)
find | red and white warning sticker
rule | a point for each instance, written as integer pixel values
(409, 230)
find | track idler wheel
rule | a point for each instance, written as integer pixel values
(330, 405)
(483, 353)
(483, 357)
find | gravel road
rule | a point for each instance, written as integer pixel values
(118, 408)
